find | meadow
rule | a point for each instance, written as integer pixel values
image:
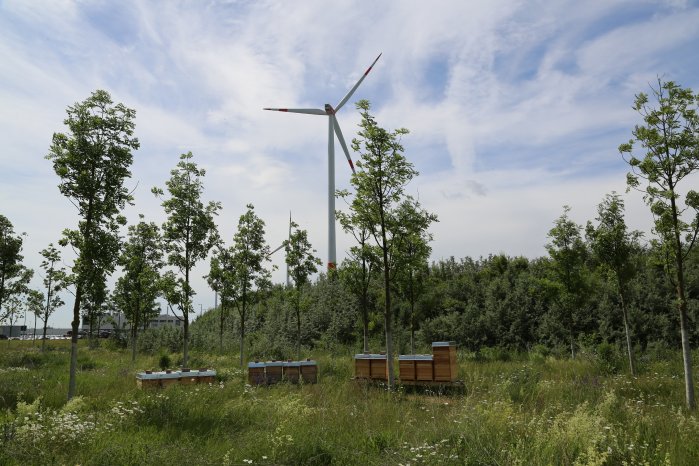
(526, 409)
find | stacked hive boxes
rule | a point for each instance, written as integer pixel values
(164, 379)
(440, 366)
(271, 372)
(370, 366)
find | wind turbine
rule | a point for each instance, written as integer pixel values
(333, 129)
(288, 283)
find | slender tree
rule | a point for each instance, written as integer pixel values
(249, 252)
(379, 186)
(669, 153)
(359, 269)
(92, 161)
(302, 264)
(223, 280)
(54, 282)
(414, 251)
(614, 248)
(14, 276)
(138, 288)
(568, 254)
(189, 232)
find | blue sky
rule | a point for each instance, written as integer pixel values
(515, 108)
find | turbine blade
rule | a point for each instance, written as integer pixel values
(341, 138)
(349, 94)
(310, 111)
(276, 250)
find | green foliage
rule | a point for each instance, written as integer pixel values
(14, 277)
(92, 161)
(669, 141)
(189, 233)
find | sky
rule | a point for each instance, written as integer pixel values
(515, 108)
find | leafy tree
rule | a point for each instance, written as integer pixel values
(139, 287)
(669, 140)
(614, 248)
(302, 264)
(222, 279)
(379, 186)
(92, 160)
(54, 281)
(568, 254)
(359, 269)
(414, 251)
(189, 232)
(14, 276)
(249, 252)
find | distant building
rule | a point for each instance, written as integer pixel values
(13, 330)
(117, 320)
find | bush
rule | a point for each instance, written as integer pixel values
(608, 359)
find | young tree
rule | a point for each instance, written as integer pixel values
(358, 269)
(248, 254)
(379, 186)
(568, 263)
(669, 153)
(222, 279)
(614, 247)
(54, 281)
(138, 288)
(14, 276)
(414, 251)
(189, 232)
(92, 160)
(302, 264)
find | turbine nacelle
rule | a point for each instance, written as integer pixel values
(333, 130)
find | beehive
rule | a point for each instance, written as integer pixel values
(147, 379)
(406, 367)
(169, 378)
(206, 376)
(424, 367)
(291, 371)
(256, 373)
(309, 371)
(187, 377)
(445, 366)
(274, 371)
(362, 366)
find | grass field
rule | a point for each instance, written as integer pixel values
(526, 411)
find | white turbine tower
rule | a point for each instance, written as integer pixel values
(333, 128)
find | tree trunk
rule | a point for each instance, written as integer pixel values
(682, 305)
(629, 346)
(220, 331)
(298, 325)
(43, 339)
(242, 326)
(74, 342)
(185, 314)
(412, 315)
(388, 318)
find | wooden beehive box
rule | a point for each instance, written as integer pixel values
(206, 376)
(406, 367)
(274, 371)
(379, 368)
(187, 377)
(445, 365)
(169, 378)
(309, 371)
(147, 379)
(291, 371)
(256, 373)
(424, 367)
(362, 366)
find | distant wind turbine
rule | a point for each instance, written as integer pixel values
(288, 283)
(333, 128)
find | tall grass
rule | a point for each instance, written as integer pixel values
(516, 411)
